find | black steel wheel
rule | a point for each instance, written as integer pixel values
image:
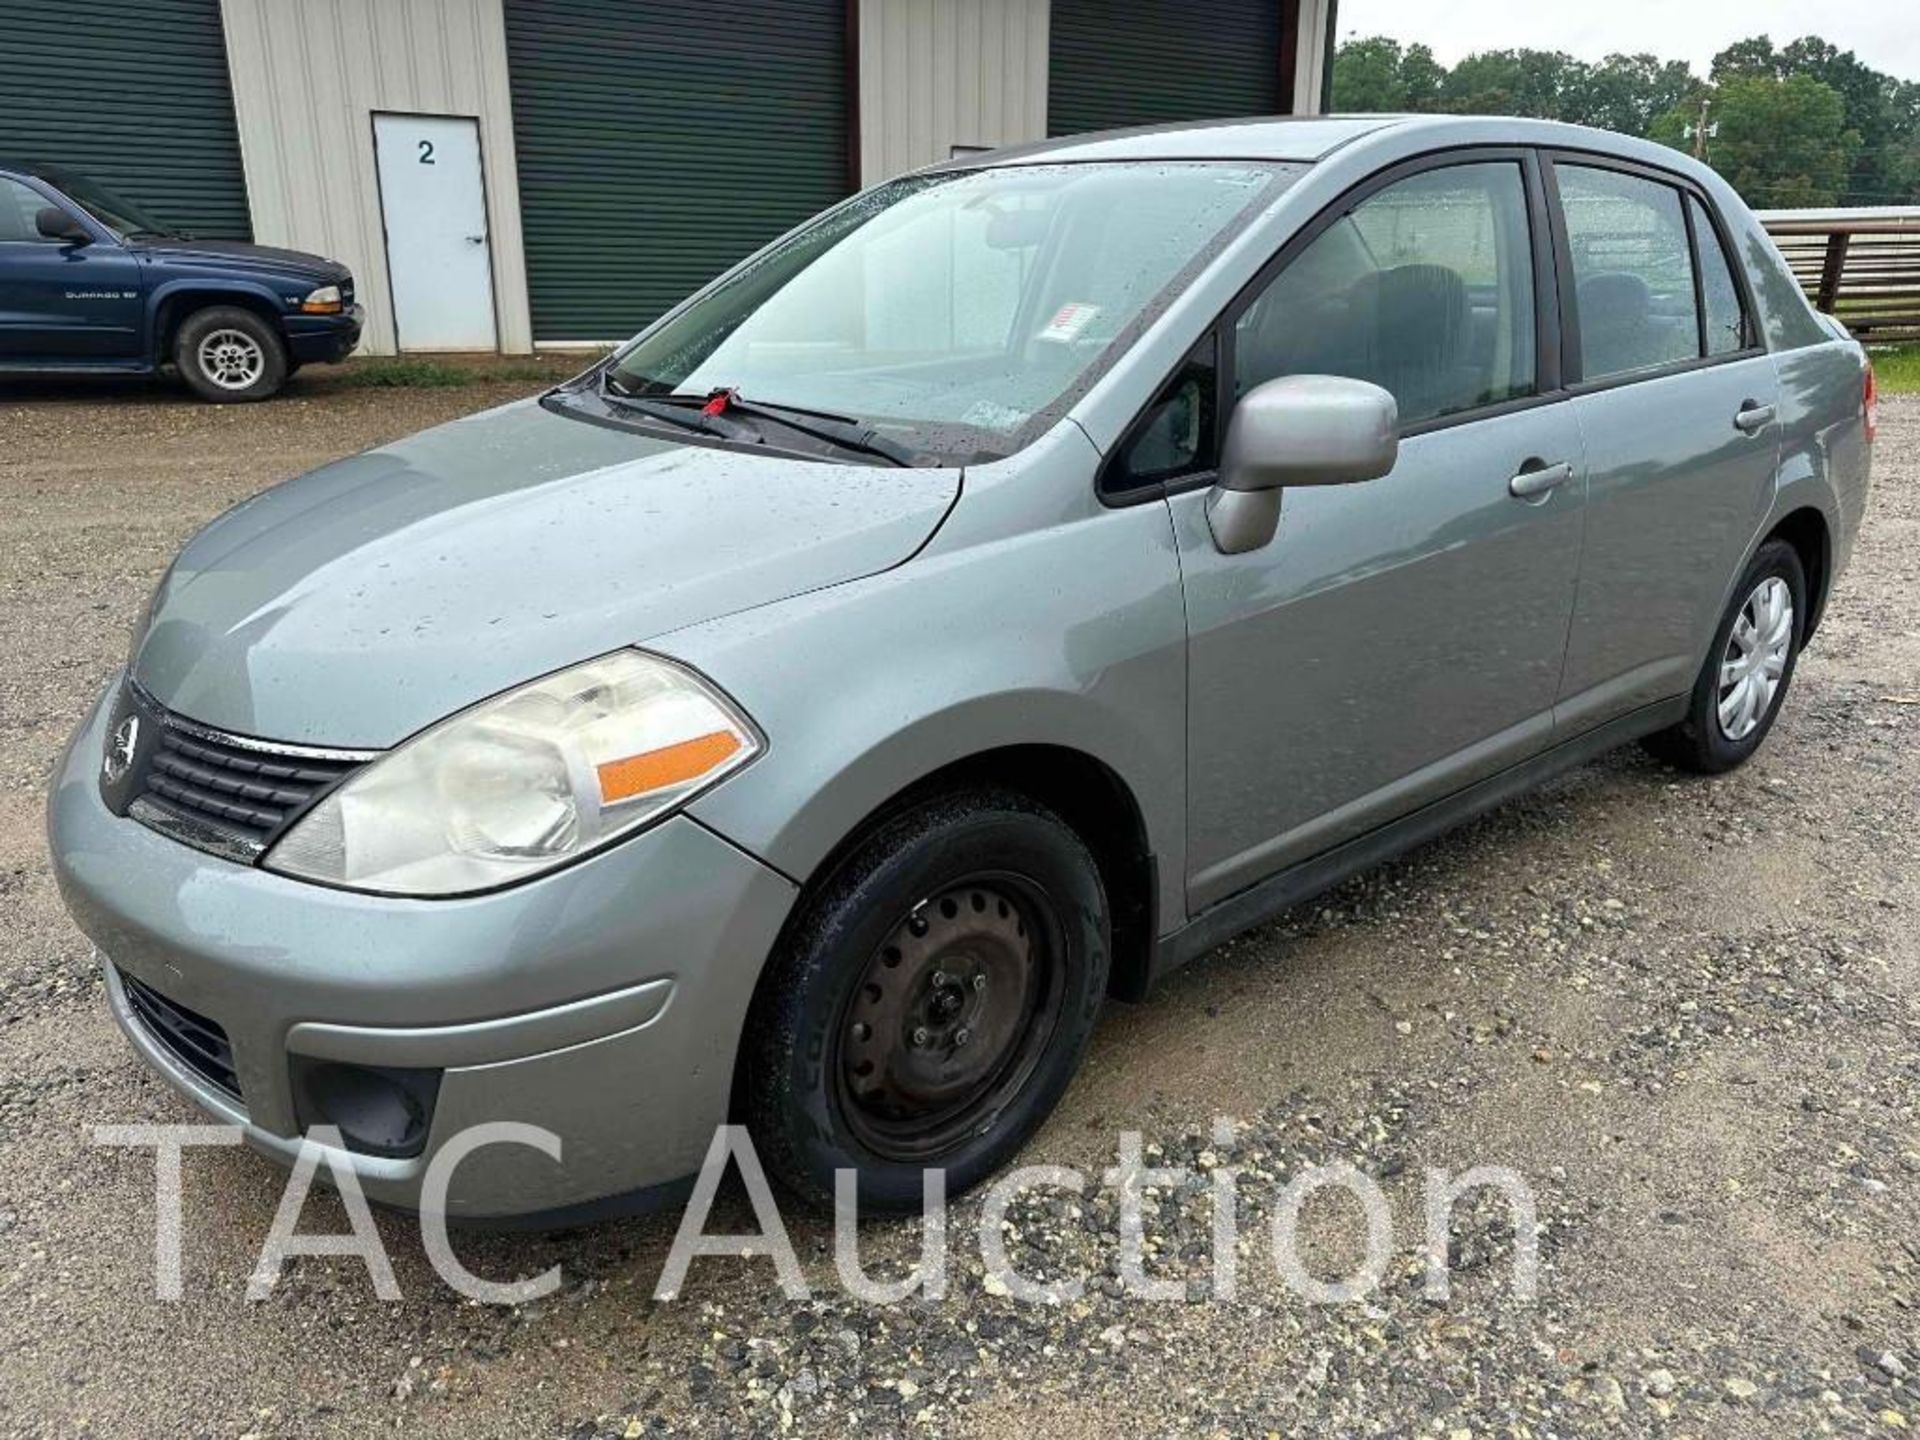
(930, 1002)
(950, 1016)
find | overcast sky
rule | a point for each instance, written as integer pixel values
(1883, 33)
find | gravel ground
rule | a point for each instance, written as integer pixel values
(1688, 1013)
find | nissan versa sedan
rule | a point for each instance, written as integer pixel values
(995, 592)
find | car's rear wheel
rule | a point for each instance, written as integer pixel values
(229, 354)
(1748, 669)
(930, 1003)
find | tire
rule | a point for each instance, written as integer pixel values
(228, 355)
(1705, 743)
(917, 938)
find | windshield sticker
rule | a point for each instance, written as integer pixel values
(1069, 320)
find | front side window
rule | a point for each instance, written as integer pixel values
(20, 208)
(1425, 288)
(951, 311)
(1176, 434)
(120, 215)
(1632, 272)
(1726, 324)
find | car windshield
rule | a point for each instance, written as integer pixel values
(119, 215)
(952, 311)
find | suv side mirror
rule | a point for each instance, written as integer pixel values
(53, 223)
(1297, 430)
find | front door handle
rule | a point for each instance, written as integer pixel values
(1537, 480)
(1752, 417)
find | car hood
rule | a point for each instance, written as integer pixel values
(228, 256)
(362, 602)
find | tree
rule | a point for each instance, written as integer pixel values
(1375, 75)
(1745, 59)
(1514, 82)
(1804, 124)
(1870, 103)
(1627, 93)
(1423, 77)
(1366, 76)
(1780, 143)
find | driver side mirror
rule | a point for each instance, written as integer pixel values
(1297, 430)
(53, 223)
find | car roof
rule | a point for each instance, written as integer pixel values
(1284, 137)
(1301, 139)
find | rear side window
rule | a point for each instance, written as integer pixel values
(1425, 288)
(20, 208)
(1632, 271)
(1726, 324)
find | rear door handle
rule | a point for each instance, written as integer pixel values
(1532, 483)
(1752, 417)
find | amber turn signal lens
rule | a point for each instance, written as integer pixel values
(321, 307)
(669, 765)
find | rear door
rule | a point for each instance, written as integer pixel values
(61, 303)
(1675, 396)
(1397, 639)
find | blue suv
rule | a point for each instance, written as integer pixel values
(89, 282)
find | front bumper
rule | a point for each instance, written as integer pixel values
(603, 1002)
(324, 339)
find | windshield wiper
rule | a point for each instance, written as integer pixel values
(671, 412)
(836, 430)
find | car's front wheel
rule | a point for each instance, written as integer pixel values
(1748, 669)
(930, 1003)
(230, 354)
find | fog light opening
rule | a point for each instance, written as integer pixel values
(380, 1109)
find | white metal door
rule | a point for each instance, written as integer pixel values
(438, 257)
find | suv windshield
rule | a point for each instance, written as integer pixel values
(121, 216)
(953, 311)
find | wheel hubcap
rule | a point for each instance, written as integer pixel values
(232, 359)
(1756, 658)
(948, 1018)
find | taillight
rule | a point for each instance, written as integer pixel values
(1870, 403)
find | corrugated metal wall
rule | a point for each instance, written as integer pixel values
(309, 75)
(1142, 62)
(659, 143)
(940, 73)
(133, 93)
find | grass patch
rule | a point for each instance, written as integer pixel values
(410, 374)
(1897, 369)
(404, 374)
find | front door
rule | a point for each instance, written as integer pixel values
(1400, 638)
(439, 260)
(62, 303)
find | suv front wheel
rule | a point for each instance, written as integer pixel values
(229, 354)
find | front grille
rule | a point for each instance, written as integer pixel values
(193, 1040)
(230, 795)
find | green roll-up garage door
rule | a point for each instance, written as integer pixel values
(659, 142)
(133, 93)
(1142, 62)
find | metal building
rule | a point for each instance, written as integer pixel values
(506, 173)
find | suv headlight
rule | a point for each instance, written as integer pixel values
(326, 300)
(523, 782)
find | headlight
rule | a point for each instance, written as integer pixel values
(521, 783)
(324, 301)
